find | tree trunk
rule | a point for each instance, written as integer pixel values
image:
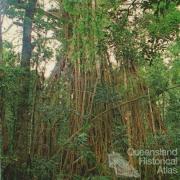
(1, 42)
(23, 116)
(1, 94)
(27, 30)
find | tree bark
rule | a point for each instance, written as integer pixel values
(23, 116)
(1, 95)
(1, 41)
(27, 31)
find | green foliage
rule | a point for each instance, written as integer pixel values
(43, 168)
(9, 80)
(90, 33)
(164, 25)
(120, 141)
(157, 77)
(106, 94)
(101, 178)
(174, 48)
(173, 113)
(175, 72)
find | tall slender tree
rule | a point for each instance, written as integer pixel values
(23, 117)
(1, 46)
